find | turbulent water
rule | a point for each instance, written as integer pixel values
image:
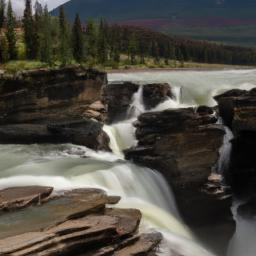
(69, 166)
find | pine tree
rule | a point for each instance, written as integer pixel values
(46, 50)
(155, 52)
(29, 31)
(10, 32)
(78, 40)
(38, 24)
(64, 49)
(2, 13)
(91, 42)
(4, 57)
(132, 49)
(102, 51)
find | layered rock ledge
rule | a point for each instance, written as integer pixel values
(183, 144)
(53, 106)
(74, 223)
(238, 110)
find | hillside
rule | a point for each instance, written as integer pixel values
(230, 21)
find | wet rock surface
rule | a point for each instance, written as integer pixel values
(238, 110)
(184, 146)
(153, 94)
(119, 96)
(53, 106)
(73, 223)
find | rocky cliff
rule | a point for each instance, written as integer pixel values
(183, 144)
(53, 105)
(238, 110)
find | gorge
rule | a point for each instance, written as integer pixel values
(178, 145)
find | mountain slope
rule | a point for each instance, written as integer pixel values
(231, 21)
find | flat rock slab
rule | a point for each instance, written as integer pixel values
(76, 222)
(20, 197)
(70, 205)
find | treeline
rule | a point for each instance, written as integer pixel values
(54, 40)
(159, 45)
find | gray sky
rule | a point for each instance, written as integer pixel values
(18, 5)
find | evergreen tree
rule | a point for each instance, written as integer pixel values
(4, 57)
(38, 24)
(10, 32)
(2, 13)
(46, 50)
(64, 49)
(29, 31)
(132, 49)
(102, 51)
(155, 52)
(91, 42)
(78, 40)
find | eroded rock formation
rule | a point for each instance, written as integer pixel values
(74, 223)
(53, 106)
(238, 110)
(119, 96)
(184, 146)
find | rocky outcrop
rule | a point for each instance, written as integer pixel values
(238, 110)
(74, 223)
(184, 146)
(153, 94)
(119, 96)
(49, 95)
(53, 106)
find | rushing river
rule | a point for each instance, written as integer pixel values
(69, 166)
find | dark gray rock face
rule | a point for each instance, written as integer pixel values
(49, 95)
(238, 110)
(119, 96)
(153, 94)
(53, 106)
(184, 146)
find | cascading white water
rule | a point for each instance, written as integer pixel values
(196, 87)
(69, 166)
(243, 241)
(225, 151)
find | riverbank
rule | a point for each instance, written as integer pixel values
(21, 65)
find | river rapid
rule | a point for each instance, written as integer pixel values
(68, 166)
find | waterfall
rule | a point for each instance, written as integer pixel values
(197, 87)
(66, 167)
(243, 241)
(137, 106)
(225, 151)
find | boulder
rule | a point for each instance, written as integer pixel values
(118, 97)
(184, 146)
(74, 223)
(154, 94)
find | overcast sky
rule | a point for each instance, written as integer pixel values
(18, 5)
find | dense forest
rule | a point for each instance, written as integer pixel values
(55, 41)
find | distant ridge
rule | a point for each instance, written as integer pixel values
(231, 21)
